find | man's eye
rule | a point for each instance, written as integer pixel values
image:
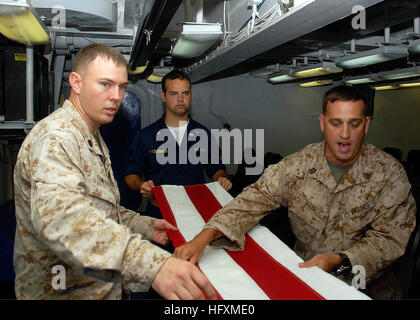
(355, 124)
(123, 87)
(105, 84)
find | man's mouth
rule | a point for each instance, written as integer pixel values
(344, 147)
(111, 110)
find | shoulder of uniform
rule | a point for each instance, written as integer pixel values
(381, 161)
(309, 152)
(198, 125)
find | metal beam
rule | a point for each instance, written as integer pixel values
(151, 30)
(312, 16)
(58, 79)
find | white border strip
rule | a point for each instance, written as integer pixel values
(229, 279)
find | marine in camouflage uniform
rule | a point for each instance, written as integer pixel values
(347, 201)
(68, 213)
(368, 216)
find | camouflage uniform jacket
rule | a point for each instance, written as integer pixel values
(369, 215)
(68, 214)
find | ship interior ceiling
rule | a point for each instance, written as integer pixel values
(242, 46)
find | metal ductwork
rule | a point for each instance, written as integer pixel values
(153, 27)
(79, 14)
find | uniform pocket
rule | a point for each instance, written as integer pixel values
(359, 216)
(308, 210)
(98, 188)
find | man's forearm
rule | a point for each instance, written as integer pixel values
(208, 235)
(134, 182)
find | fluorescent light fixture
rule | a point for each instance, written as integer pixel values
(281, 78)
(401, 74)
(370, 57)
(316, 83)
(138, 70)
(197, 38)
(397, 86)
(158, 74)
(363, 79)
(414, 46)
(410, 85)
(20, 23)
(388, 87)
(262, 72)
(316, 70)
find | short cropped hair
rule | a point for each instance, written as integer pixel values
(174, 74)
(87, 54)
(343, 93)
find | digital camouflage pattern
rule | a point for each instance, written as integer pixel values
(68, 213)
(369, 215)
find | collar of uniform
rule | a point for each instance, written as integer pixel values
(191, 126)
(80, 123)
(360, 172)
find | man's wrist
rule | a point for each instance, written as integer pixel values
(344, 266)
(220, 174)
(208, 235)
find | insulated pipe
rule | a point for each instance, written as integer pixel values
(29, 84)
(63, 42)
(199, 11)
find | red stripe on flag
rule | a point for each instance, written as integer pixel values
(175, 236)
(274, 279)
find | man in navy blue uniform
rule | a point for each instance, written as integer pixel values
(145, 169)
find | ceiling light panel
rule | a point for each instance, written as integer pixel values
(371, 57)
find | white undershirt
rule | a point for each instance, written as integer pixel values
(179, 132)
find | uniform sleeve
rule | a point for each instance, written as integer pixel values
(249, 207)
(388, 235)
(137, 157)
(137, 223)
(78, 233)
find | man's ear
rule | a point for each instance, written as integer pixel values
(368, 120)
(321, 122)
(75, 81)
(162, 94)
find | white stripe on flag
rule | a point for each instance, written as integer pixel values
(324, 283)
(229, 279)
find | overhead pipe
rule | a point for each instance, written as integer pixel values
(387, 28)
(187, 7)
(72, 43)
(199, 11)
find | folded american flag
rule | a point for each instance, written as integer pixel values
(266, 269)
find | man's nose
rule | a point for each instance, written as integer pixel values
(345, 131)
(117, 94)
